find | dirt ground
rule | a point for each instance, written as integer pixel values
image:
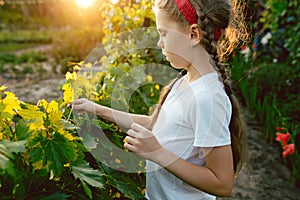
(263, 178)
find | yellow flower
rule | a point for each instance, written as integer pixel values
(88, 65)
(118, 195)
(76, 68)
(149, 78)
(157, 86)
(71, 76)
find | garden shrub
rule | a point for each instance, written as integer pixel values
(27, 57)
(75, 44)
(281, 81)
(43, 157)
(281, 19)
(270, 91)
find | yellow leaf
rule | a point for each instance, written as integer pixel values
(38, 165)
(36, 117)
(68, 93)
(55, 114)
(3, 87)
(12, 103)
(43, 103)
(29, 114)
(52, 107)
(67, 135)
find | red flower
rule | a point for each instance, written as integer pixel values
(288, 150)
(280, 129)
(284, 138)
(244, 48)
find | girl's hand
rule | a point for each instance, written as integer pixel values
(142, 141)
(84, 105)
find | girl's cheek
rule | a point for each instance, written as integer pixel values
(178, 44)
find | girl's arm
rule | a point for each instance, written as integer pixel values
(215, 178)
(122, 119)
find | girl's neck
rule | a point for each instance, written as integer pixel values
(199, 65)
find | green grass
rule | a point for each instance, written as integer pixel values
(9, 47)
(12, 41)
(26, 36)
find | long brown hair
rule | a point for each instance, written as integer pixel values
(222, 15)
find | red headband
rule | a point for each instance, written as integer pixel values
(190, 14)
(187, 10)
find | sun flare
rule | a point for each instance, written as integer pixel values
(84, 3)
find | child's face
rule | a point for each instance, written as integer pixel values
(174, 40)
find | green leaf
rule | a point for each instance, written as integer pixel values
(4, 163)
(87, 174)
(6, 166)
(278, 7)
(87, 190)
(123, 183)
(57, 195)
(22, 130)
(54, 152)
(127, 187)
(14, 147)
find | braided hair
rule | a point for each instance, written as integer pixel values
(217, 15)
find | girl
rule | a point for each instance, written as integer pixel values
(193, 142)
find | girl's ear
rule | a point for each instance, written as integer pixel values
(195, 34)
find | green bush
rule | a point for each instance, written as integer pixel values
(43, 157)
(281, 19)
(270, 91)
(25, 36)
(27, 57)
(283, 83)
(75, 45)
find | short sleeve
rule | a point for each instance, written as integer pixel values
(210, 117)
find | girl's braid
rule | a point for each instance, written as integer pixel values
(209, 44)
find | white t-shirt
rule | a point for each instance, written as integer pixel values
(195, 116)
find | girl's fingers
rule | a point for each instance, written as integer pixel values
(130, 147)
(130, 140)
(132, 133)
(137, 127)
(140, 131)
(79, 101)
(78, 106)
